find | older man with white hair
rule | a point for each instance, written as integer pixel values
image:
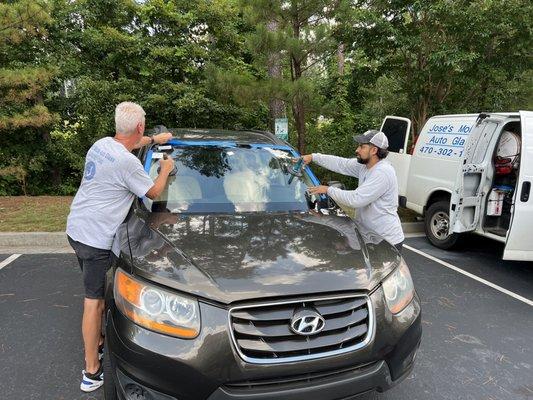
(112, 178)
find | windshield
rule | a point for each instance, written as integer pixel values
(233, 179)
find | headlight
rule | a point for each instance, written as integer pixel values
(399, 289)
(155, 308)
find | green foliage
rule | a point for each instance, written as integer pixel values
(67, 154)
(336, 68)
(25, 77)
(288, 42)
(446, 56)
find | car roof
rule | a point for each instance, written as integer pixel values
(244, 136)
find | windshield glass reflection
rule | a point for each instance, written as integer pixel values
(215, 179)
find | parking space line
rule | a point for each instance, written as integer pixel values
(475, 277)
(8, 260)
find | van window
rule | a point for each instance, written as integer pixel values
(396, 131)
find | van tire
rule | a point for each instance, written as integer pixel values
(436, 220)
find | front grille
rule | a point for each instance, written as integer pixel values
(262, 334)
(311, 377)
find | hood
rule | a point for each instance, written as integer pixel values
(228, 258)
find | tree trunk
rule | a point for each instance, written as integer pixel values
(298, 108)
(299, 120)
(340, 59)
(276, 106)
(419, 115)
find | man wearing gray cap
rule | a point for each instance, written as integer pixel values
(376, 197)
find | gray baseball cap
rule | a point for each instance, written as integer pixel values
(375, 137)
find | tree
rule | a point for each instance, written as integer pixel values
(155, 53)
(296, 36)
(276, 106)
(338, 67)
(24, 77)
(447, 57)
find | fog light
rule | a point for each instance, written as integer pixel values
(135, 392)
(410, 359)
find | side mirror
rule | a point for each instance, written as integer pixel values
(330, 202)
(337, 184)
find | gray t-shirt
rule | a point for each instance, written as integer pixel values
(113, 177)
(375, 199)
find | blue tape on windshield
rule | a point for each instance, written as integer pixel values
(216, 143)
(272, 146)
(148, 161)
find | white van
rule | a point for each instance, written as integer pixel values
(469, 173)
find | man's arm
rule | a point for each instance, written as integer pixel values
(365, 194)
(158, 139)
(345, 166)
(161, 181)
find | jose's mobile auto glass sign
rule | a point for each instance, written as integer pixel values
(445, 140)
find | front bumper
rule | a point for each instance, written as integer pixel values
(208, 367)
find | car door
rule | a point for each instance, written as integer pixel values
(468, 192)
(397, 131)
(519, 245)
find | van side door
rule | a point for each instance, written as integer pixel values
(519, 244)
(397, 131)
(467, 194)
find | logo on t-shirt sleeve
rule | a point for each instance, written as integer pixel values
(90, 170)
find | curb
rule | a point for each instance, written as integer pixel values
(29, 239)
(59, 239)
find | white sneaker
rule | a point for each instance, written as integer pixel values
(90, 382)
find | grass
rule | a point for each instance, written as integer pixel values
(49, 213)
(34, 214)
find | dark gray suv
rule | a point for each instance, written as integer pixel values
(237, 284)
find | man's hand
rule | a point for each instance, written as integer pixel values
(308, 158)
(318, 189)
(167, 165)
(162, 138)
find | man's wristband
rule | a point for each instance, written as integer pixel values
(152, 140)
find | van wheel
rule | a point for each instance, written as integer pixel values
(437, 224)
(110, 390)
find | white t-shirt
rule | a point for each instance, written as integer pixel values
(113, 177)
(376, 198)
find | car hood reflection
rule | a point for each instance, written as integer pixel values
(228, 258)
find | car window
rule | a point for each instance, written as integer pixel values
(230, 179)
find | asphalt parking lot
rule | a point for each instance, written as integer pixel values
(477, 341)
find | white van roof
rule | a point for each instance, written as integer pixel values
(505, 114)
